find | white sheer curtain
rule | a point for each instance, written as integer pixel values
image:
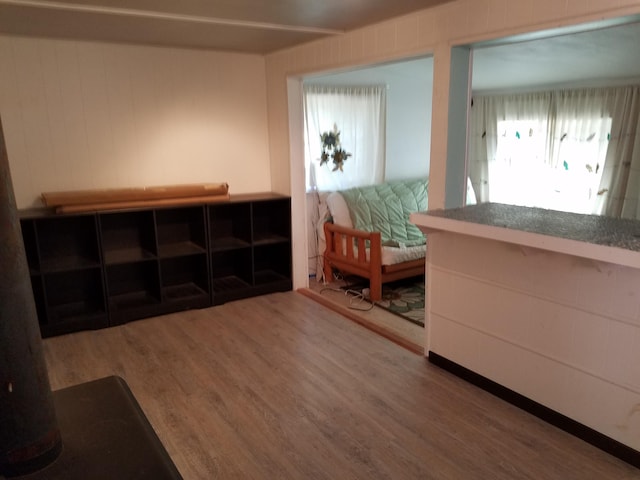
(546, 149)
(359, 113)
(620, 185)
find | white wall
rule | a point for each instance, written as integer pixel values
(409, 124)
(408, 135)
(83, 115)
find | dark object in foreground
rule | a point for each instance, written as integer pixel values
(105, 435)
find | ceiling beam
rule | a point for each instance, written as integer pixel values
(127, 12)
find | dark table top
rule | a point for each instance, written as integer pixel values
(105, 435)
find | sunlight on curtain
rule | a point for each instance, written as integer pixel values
(620, 185)
(359, 113)
(542, 149)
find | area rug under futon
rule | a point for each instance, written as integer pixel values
(404, 298)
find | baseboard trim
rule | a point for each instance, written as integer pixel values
(577, 429)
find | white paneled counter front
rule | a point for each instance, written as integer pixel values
(544, 303)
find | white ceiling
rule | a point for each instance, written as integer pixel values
(251, 26)
(600, 57)
(604, 56)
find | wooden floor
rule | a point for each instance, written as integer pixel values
(280, 387)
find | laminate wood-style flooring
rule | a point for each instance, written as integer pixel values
(359, 310)
(280, 387)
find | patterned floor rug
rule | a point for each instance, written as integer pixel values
(404, 298)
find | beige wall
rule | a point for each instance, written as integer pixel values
(431, 31)
(83, 115)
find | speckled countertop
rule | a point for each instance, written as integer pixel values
(594, 229)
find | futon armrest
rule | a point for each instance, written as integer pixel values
(352, 244)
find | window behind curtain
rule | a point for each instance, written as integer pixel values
(541, 149)
(562, 176)
(359, 113)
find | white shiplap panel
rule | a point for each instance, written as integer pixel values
(478, 13)
(497, 17)
(83, 115)
(427, 34)
(386, 42)
(12, 125)
(34, 116)
(548, 10)
(71, 117)
(519, 14)
(59, 153)
(121, 117)
(407, 33)
(575, 8)
(97, 118)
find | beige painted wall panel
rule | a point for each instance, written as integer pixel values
(58, 153)
(119, 91)
(452, 21)
(30, 97)
(100, 143)
(407, 33)
(520, 13)
(548, 10)
(478, 15)
(82, 115)
(386, 38)
(12, 121)
(427, 29)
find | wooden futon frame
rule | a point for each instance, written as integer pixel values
(346, 251)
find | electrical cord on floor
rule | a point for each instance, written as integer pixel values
(358, 299)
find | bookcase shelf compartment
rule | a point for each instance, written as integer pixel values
(272, 267)
(181, 231)
(232, 275)
(128, 236)
(74, 300)
(229, 226)
(67, 243)
(185, 282)
(133, 291)
(271, 221)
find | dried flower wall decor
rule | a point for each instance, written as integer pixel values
(331, 149)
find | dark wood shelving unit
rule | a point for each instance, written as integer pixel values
(185, 281)
(128, 236)
(64, 260)
(133, 290)
(231, 274)
(239, 234)
(95, 270)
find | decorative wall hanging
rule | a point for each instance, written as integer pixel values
(331, 149)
